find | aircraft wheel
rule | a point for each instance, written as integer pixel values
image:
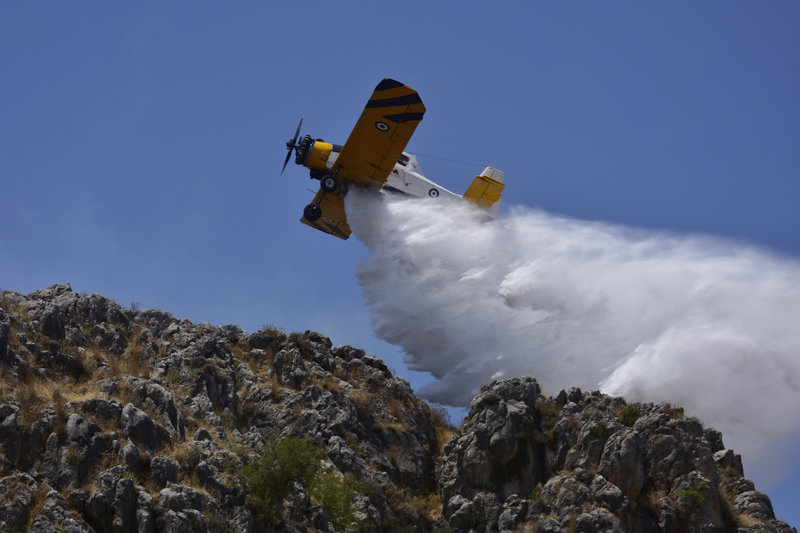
(328, 183)
(312, 212)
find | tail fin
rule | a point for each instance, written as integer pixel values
(486, 189)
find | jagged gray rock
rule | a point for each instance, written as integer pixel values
(622, 461)
(164, 470)
(17, 494)
(119, 420)
(589, 462)
(5, 328)
(139, 427)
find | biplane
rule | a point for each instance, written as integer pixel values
(373, 157)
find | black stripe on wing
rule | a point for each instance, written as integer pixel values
(408, 99)
(404, 117)
(387, 84)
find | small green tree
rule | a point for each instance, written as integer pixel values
(270, 477)
(336, 494)
(288, 460)
(692, 498)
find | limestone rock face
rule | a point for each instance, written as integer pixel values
(590, 462)
(120, 420)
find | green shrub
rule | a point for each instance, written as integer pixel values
(215, 523)
(270, 477)
(336, 494)
(288, 460)
(535, 495)
(628, 414)
(692, 498)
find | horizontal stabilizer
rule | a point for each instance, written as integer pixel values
(487, 188)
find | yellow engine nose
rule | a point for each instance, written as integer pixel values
(318, 155)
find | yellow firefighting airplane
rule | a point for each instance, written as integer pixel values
(373, 157)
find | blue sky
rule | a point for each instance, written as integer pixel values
(140, 145)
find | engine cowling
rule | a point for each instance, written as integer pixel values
(313, 154)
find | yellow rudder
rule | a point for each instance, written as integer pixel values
(486, 188)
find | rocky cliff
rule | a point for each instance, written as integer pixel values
(116, 419)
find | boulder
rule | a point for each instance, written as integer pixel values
(139, 427)
(163, 470)
(17, 493)
(622, 462)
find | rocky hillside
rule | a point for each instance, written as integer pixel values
(116, 419)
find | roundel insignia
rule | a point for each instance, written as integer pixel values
(433, 193)
(382, 126)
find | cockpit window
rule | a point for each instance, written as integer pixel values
(403, 159)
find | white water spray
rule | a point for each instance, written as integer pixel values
(704, 323)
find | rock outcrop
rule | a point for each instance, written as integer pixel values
(113, 419)
(590, 462)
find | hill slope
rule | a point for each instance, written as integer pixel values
(114, 419)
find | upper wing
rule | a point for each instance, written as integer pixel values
(333, 219)
(381, 133)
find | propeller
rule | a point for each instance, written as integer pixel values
(291, 144)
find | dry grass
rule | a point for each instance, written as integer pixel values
(653, 501)
(276, 392)
(237, 352)
(673, 412)
(106, 462)
(21, 333)
(129, 363)
(329, 383)
(363, 403)
(396, 407)
(417, 511)
(240, 451)
(382, 427)
(246, 410)
(259, 360)
(301, 340)
(442, 425)
(19, 311)
(186, 453)
(549, 413)
(73, 455)
(360, 373)
(745, 520)
(573, 524)
(253, 363)
(191, 479)
(124, 393)
(39, 499)
(35, 394)
(61, 415)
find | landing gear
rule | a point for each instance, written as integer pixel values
(328, 183)
(312, 212)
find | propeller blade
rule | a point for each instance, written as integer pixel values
(292, 144)
(286, 162)
(297, 131)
